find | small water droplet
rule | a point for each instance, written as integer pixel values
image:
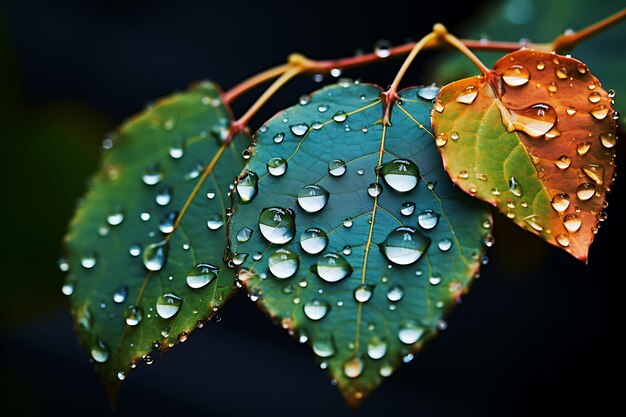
(347, 250)
(324, 346)
(201, 275)
(332, 267)
(322, 108)
(382, 48)
(133, 315)
(454, 135)
(313, 240)
(407, 208)
(444, 244)
(434, 280)
(155, 255)
(135, 250)
(560, 202)
(404, 245)
(277, 225)
(299, 129)
(571, 111)
(401, 174)
(312, 198)
(278, 138)
(561, 72)
(600, 111)
(468, 95)
(439, 106)
(585, 191)
(374, 190)
(428, 219)
(441, 139)
(244, 234)
(410, 332)
(115, 218)
(594, 171)
(515, 187)
(168, 305)
(89, 260)
(540, 65)
(340, 116)
(363, 293)
(119, 296)
(100, 351)
(336, 167)
(562, 240)
(608, 139)
(572, 222)
(215, 221)
(152, 176)
(283, 263)
(347, 223)
(516, 75)
(535, 222)
(354, 367)
(595, 97)
(563, 162)
(316, 309)
(166, 225)
(247, 186)
(277, 166)
(428, 92)
(395, 293)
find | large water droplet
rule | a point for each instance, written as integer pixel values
(168, 305)
(277, 166)
(562, 240)
(595, 97)
(572, 222)
(404, 245)
(428, 219)
(444, 244)
(516, 75)
(313, 240)
(410, 332)
(133, 315)
(336, 167)
(583, 148)
(428, 92)
(201, 275)
(608, 139)
(363, 293)
(299, 129)
(560, 202)
(312, 198)
(316, 309)
(585, 191)
(374, 190)
(535, 120)
(376, 348)
(100, 351)
(468, 95)
(283, 263)
(215, 221)
(115, 218)
(244, 234)
(324, 346)
(407, 208)
(441, 139)
(595, 172)
(155, 255)
(600, 111)
(515, 187)
(354, 367)
(277, 225)
(401, 174)
(247, 186)
(395, 293)
(119, 296)
(332, 267)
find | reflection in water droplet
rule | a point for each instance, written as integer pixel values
(468, 95)
(278, 138)
(100, 351)
(401, 174)
(374, 190)
(166, 225)
(155, 255)
(395, 293)
(444, 244)
(516, 75)
(336, 167)
(299, 129)
(428, 219)
(215, 221)
(363, 293)
(428, 92)
(583, 148)
(410, 332)
(313, 240)
(600, 111)
(562, 240)
(277, 166)
(133, 315)
(560, 202)
(324, 345)
(354, 367)
(312, 198)
(572, 222)
(201, 275)
(119, 296)
(535, 222)
(535, 120)
(247, 186)
(340, 116)
(168, 305)
(563, 162)
(244, 234)
(332, 267)
(594, 171)
(376, 348)
(608, 139)
(164, 197)
(404, 245)
(407, 208)
(277, 225)
(595, 97)
(515, 187)
(89, 260)
(283, 263)
(316, 309)
(585, 191)
(441, 139)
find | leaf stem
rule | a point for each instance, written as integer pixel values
(568, 41)
(260, 78)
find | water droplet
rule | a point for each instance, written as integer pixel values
(374, 190)
(360, 171)
(595, 172)
(119, 296)
(583, 148)
(535, 222)
(279, 137)
(561, 72)
(115, 218)
(560, 202)
(395, 293)
(312, 198)
(168, 305)
(434, 280)
(407, 208)
(382, 48)
(299, 129)
(439, 106)
(410, 332)
(283, 263)
(570, 111)
(468, 95)
(152, 176)
(563, 162)
(454, 135)
(166, 225)
(239, 258)
(562, 240)
(585, 191)
(100, 351)
(215, 221)
(324, 346)
(608, 139)
(313, 240)
(336, 167)
(340, 116)
(155, 255)
(164, 197)
(89, 260)
(404, 245)
(133, 315)
(515, 187)
(347, 250)
(540, 65)
(277, 166)
(600, 111)
(332, 267)
(363, 293)
(428, 92)
(402, 175)
(535, 120)
(247, 186)
(201, 275)
(277, 225)
(572, 222)
(444, 244)
(244, 234)
(354, 367)
(316, 309)
(595, 97)
(516, 75)
(441, 139)
(428, 219)
(322, 108)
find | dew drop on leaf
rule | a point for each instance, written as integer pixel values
(277, 225)
(572, 222)
(354, 367)
(316, 309)
(401, 174)
(244, 234)
(585, 191)
(410, 332)
(168, 305)
(201, 275)
(100, 351)
(468, 95)
(313, 240)
(247, 186)
(407, 208)
(133, 315)
(155, 255)
(336, 168)
(299, 129)
(376, 348)
(312, 198)
(560, 202)
(404, 245)
(395, 293)
(283, 263)
(535, 120)
(332, 267)
(277, 166)
(119, 296)
(428, 219)
(516, 75)
(324, 346)
(363, 293)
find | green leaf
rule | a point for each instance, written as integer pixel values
(145, 248)
(360, 260)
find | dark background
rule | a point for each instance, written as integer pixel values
(540, 332)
